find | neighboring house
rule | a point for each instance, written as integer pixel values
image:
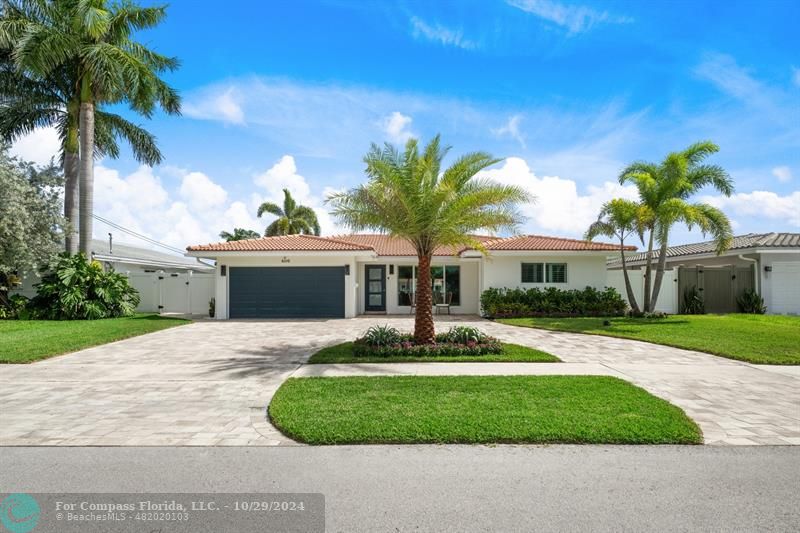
(166, 283)
(769, 263)
(347, 275)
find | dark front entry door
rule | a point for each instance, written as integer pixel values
(375, 298)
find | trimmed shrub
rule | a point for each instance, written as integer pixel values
(77, 289)
(552, 302)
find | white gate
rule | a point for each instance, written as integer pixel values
(165, 292)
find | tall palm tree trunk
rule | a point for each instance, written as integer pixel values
(662, 264)
(647, 271)
(628, 289)
(71, 171)
(86, 175)
(423, 320)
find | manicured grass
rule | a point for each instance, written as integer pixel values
(343, 353)
(25, 341)
(763, 339)
(477, 409)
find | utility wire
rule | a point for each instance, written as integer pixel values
(137, 235)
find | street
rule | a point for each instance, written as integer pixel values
(455, 488)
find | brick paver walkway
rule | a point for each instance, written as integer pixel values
(208, 383)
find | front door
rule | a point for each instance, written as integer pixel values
(375, 299)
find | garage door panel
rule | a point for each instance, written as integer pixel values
(286, 292)
(785, 288)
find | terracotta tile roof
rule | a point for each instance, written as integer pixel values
(386, 245)
(740, 242)
(286, 243)
(535, 243)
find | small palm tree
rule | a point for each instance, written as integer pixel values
(239, 234)
(409, 196)
(91, 43)
(619, 218)
(27, 103)
(664, 190)
(292, 219)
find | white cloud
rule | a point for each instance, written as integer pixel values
(39, 146)
(440, 34)
(760, 205)
(283, 175)
(396, 127)
(575, 18)
(198, 190)
(223, 105)
(511, 129)
(560, 207)
(783, 173)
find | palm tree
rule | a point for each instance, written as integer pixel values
(409, 197)
(292, 218)
(665, 189)
(91, 42)
(619, 218)
(27, 103)
(239, 234)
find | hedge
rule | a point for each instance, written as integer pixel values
(552, 302)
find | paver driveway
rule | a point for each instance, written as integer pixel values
(208, 383)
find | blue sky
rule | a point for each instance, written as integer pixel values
(290, 94)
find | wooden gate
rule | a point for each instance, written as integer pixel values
(719, 287)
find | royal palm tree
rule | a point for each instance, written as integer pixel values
(292, 218)
(665, 190)
(239, 234)
(27, 103)
(91, 41)
(618, 219)
(408, 196)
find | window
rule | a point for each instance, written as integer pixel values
(444, 280)
(556, 272)
(532, 272)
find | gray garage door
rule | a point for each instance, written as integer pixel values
(286, 292)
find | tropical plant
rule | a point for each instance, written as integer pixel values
(212, 307)
(28, 102)
(78, 289)
(292, 219)
(90, 43)
(693, 302)
(239, 234)
(751, 302)
(30, 219)
(463, 335)
(409, 196)
(664, 192)
(382, 336)
(619, 218)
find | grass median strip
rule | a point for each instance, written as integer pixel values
(25, 341)
(761, 339)
(512, 353)
(477, 409)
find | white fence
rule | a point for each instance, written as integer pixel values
(185, 293)
(667, 297)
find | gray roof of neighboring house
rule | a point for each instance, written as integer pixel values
(740, 242)
(126, 253)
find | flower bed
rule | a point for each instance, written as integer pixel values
(385, 341)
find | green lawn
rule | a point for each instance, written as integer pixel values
(25, 341)
(477, 409)
(764, 339)
(343, 353)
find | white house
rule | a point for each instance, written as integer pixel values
(166, 283)
(768, 263)
(347, 275)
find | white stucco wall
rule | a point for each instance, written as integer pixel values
(350, 284)
(582, 270)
